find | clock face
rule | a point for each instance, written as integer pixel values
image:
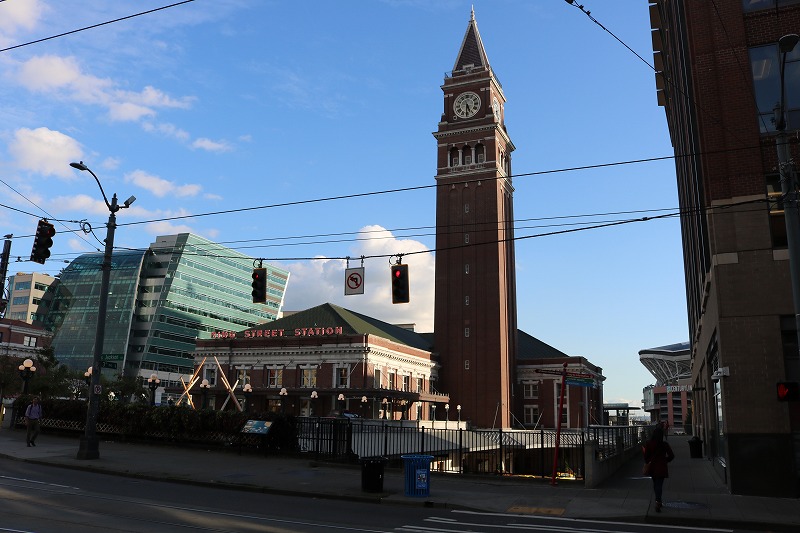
(467, 104)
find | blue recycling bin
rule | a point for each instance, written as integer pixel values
(417, 474)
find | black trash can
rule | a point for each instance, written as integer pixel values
(372, 473)
(695, 448)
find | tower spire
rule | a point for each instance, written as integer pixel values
(471, 54)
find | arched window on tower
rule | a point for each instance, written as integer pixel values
(480, 153)
(454, 157)
(466, 154)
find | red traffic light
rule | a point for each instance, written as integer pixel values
(259, 285)
(788, 391)
(400, 289)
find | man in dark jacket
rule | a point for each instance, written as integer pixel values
(657, 453)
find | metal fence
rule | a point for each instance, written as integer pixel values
(458, 450)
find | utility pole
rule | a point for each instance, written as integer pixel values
(4, 273)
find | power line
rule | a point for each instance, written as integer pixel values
(94, 26)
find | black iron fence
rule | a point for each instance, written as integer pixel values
(455, 449)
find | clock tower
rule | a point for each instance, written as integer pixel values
(475, 317)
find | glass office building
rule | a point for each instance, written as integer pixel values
(183, 287)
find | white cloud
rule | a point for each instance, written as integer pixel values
(211, 146)
(167, 228)
(212, 196)
(316, 282)
(64, 78)
(80, 203)
(18, 15)
(164, 128)
(45, 151)
(161, 187)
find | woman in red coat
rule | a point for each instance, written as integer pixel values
(657, 452)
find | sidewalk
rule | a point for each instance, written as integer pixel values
(692, 495)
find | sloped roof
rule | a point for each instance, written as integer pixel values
(471, 51)
(352, 323)
(529, 347)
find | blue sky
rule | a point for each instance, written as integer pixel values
(218, 106)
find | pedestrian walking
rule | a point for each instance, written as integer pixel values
(33, 415)
(657, 453)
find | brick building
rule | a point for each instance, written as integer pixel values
(718, 78)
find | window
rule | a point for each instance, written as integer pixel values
(392, 381)
(531, 415)
(39, 286)
(19, 300)
(243, 377)
(211, 376)
(468, 160)
(29, 341)
(757, 5)
(378, 384)
(22, 286)
(308, 378)
(342, 377)
(406, 383)
(765, 62)
(419, 381)
(274, 378)
(530, 390)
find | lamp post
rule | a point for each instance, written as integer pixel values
(283, 393)
(788, 183)
(90, 445)
(446, 414)
(340, 399)
(385, 403)
(434, 412)
(314, 397)
(363, 406)
(26, 372)
(152, 383)
(248, 393)
(204, 387)
(458, 408)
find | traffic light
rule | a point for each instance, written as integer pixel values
(259, 285)
(42, 241)
(788, 391)
(400, 293)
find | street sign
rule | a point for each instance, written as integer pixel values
(354, 281)
(112, 357)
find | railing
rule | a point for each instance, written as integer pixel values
(458, 450)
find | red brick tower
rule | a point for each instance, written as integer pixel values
(475, 320)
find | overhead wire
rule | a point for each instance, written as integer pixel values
(94, 26)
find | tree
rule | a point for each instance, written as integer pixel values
(52, 380)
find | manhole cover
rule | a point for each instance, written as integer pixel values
(684, 505)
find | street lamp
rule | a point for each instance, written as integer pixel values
(363, 406)
(90, 445)
(340, 399)
(248, 393)
(458, 408)
(283, 394)
(314, 397)
(385, 403)
(153, 383)
(788, 183)
(26, 372)
(434, 412)
(204, 387)
(446, 414)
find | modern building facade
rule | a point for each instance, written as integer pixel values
(719, 74)
(475, 314)
(160, 301)
(668, 401)
(25, 293)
